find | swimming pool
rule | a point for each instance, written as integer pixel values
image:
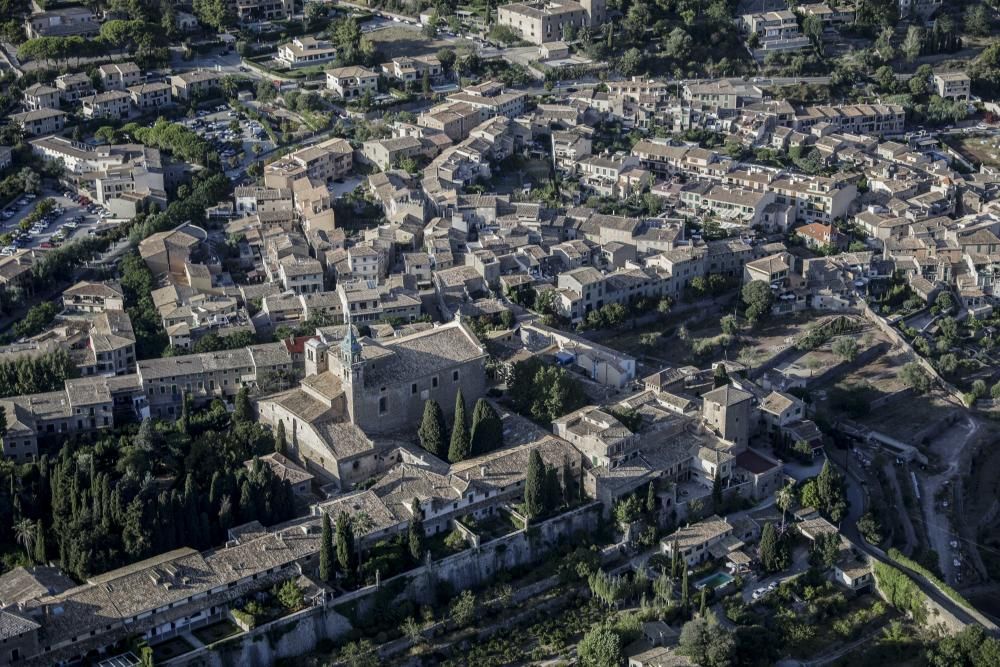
(715, 581)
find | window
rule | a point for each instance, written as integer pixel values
(434, 382)
(413, 388)
(454, 376)
(383, 405)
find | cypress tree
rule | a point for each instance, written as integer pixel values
(345, 542)
(280, 443)
(40, 543)
(215, 489)
(651, 498)
(242, 410)
(461, 447)
(432, 429)
(702, 608)
(184, 423)
(145, 438)
(247, 509)
(553, 489)
(769, 557)
(674, 559)
(487, 429)
(684, 588)
(721, 376)
(569, 485)
(717, 491)
(534, 486)
(326, 557)
(416, 531)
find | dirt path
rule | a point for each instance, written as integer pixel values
(940, 532)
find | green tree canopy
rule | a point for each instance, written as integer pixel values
(460, 445)
(600, 647)
(432, 429)
(487, 429)
(534, 486)
(758, 298)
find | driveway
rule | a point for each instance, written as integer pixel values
(800, 563)
(803, 471)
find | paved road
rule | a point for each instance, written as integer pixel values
(227, 63)
(858, 500)
(800, 563)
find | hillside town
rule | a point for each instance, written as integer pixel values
(548, 333)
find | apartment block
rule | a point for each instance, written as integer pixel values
(119, 76)
(39, 96)
(112, 104)
(322, 163)
(40, 122)
(199, 83)
(91, 297)
(74, 86)
(455, 119)
(302, 275)
(150, 96)
(492, 100)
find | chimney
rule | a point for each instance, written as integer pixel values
(482, 470)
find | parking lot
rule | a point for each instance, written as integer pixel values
(215, 128)
(68, 219)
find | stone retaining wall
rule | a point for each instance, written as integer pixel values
(475, 567)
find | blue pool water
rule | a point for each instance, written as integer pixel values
(715, 581)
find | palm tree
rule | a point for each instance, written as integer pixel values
(24, 530)
(783, 499)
